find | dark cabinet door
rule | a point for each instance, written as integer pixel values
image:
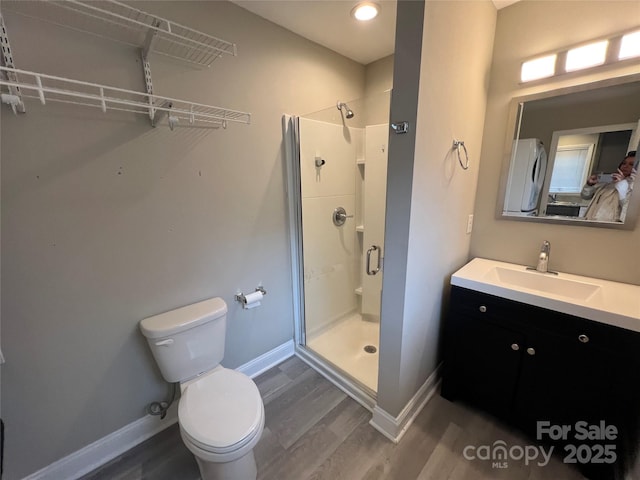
(527, 365)
(562, 381)
(565, 382)
(482, 363)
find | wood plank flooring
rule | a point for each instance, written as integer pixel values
(314, 431)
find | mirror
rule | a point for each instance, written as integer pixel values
(566, 139)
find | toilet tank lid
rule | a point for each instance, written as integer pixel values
(183, 318)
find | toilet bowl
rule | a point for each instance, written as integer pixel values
(220, 412)
(221, 419)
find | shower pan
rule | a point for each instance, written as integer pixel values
(337, 164)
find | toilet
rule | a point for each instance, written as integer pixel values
(220, 412)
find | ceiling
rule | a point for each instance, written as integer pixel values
(329, 23)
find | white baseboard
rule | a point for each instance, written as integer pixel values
(394, 428)
(107, 448)
(264, 362)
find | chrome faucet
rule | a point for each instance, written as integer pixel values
(543, 258)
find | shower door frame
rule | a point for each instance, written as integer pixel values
(360, 393)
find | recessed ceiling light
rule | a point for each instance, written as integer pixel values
(365, 11)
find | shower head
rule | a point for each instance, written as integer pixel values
(347, 111)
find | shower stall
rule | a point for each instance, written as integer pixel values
(337, 167)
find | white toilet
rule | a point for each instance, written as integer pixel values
(220, 412)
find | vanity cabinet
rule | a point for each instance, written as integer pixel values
(526, 364)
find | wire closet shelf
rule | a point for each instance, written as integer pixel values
(65, 90)
(116, 21)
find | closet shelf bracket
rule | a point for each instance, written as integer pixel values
(144, 54)
(14, 99)
(146, 70)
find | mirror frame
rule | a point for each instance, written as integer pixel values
(633, 210)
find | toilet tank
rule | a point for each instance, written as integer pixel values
(187, 341)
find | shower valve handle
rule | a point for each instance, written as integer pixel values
(340, 216)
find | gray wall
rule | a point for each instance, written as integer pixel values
(379, 79)
(106, 220)
(379, 76)
(404, 107)
(429, 196)
(552, 24)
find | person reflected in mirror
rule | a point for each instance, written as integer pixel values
(610, 194)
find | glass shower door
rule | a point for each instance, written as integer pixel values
(374, 205)
(342, 158)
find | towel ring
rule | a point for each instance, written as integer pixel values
(456, 145)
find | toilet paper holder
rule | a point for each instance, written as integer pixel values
(240, 297)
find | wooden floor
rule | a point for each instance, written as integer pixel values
(314, 431)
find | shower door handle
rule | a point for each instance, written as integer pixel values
(373, 248)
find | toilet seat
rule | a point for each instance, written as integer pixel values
(221, 412)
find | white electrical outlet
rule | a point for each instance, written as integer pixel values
(470, 223)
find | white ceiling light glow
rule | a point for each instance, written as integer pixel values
(630, 46)
(586, 56)
(542, 67)
(618, 47)
(365, 11)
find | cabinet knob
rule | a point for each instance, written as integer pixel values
(531, 351)
(482, 308)
(583, 338)
(515, 346)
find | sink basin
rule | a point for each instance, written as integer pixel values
(545, 283)
(595, 299)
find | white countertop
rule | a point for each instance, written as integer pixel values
(603, 301)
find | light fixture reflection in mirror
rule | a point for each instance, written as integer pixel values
(560, 140)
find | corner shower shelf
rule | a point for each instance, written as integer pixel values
(358, 291)
(359, 228)
(116, 21)
(60, 89)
